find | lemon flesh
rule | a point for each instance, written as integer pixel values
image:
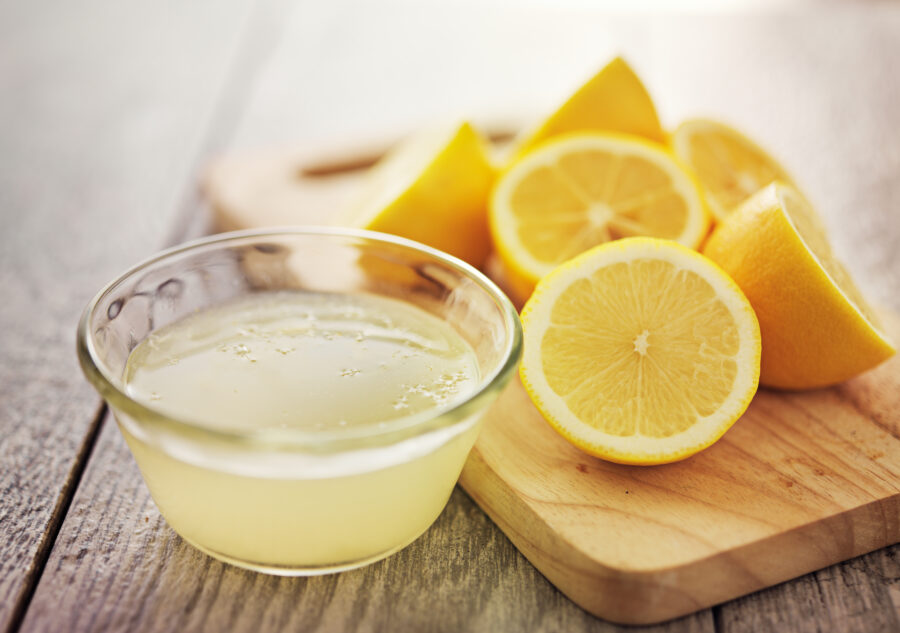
(613, 100)
(433, 188)
(640, 351)
(585, 189)
(729, 166)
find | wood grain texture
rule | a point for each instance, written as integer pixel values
(342, 70)
(117, 566)
(859, 596)
(802, 481)
(98, 127)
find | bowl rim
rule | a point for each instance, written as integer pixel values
(395, 430)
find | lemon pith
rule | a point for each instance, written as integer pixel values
(640, 351)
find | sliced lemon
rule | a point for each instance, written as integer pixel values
(729, 166)
(433, 188)
(613, 100)
(640, 351)
(817, 328)
(581, 190)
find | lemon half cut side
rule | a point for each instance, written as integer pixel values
(640, 351)
(729, 166)
(580, 190)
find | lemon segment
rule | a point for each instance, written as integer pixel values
(613, 100)
(817, 328)
(581, 190)
(729, 166)
(640, 351)
(433, 188)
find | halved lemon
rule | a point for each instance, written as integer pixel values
(817, 328)
(640, 351)
(584, 189)
(613, 100)
(433, 188)
(729, 166)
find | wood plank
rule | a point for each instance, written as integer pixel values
(119, 567)
(122, 568)
(99, 123)
(860, 596)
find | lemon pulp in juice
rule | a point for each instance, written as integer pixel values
(335, 364)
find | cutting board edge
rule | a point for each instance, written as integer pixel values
(652, 596)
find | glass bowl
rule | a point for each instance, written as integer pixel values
(298, 501)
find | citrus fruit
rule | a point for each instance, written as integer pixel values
(817, 328)
(729, 166)
(433, 188)
(613, 100)
(640, 351)
(580, 190)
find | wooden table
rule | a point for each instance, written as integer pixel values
(108, 112)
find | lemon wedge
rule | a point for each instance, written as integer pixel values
(613, 100)
(817, 328)
(433, 188)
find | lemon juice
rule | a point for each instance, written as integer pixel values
(347, 369)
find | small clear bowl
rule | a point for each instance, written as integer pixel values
(291, 501)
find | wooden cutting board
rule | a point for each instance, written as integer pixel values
(802, 481)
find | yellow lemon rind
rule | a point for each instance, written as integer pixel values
(617, 87)
(437, 195)
(785, 189)
(828, 317)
